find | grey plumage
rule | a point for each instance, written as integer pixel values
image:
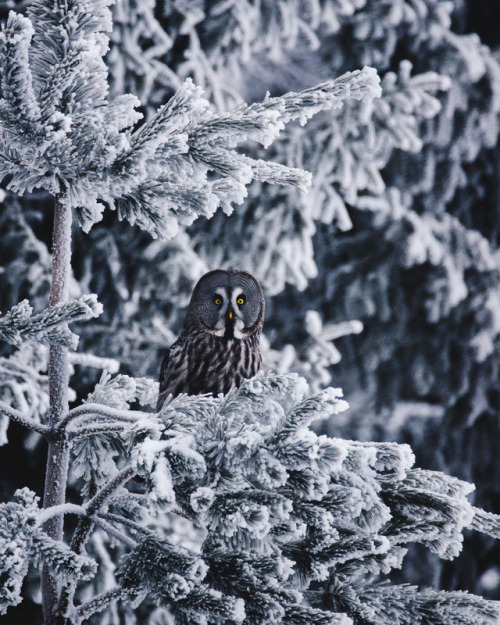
(219, 345)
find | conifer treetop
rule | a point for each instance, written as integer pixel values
(288, 522)
(59, 132)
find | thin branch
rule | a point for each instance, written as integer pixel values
(28, 422)
(132, 524)
(96, 429)
(96, 362)
(84, 527)
(93, 505)
(115, 533)
(99, 410)
(64, 508)
(98, 603)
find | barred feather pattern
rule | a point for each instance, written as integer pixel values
(199, 363)
(219, 345)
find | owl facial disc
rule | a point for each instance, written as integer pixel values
(228, 304)
(239, 324)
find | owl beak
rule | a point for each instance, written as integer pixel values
(230, 320)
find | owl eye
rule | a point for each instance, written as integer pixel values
(240, 301)
(218, 301)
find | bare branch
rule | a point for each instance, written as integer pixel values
(98, 603)
(115, 533)
(86, 411)
(118, 519)
(28, 422)
(101, 428)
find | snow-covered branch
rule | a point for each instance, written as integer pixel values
(178, 166)
(50, 326)
(64, 508)
(113, 532)
(95, 412)
(27, 422)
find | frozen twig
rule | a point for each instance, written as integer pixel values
(89, 411)
(101, 428)
(64, 508)
(131, 524)
(97, 604)
(107, 490)
(114, 533)
(17, 416)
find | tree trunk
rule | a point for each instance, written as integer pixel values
(58, 451)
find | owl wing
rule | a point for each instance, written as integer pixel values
(173, 373)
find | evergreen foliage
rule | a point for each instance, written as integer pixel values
(395, 246)
(233, 509)
(60, 133)
(277, 509)
(22, 541)
(50, 326)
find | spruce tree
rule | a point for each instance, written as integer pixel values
(233, 509)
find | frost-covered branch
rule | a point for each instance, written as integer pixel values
(136, 527)
(27, 422)
(185, 133)
(103, 428)
(92, 412)
(50, 326)
(22, 541)
(64, 508)
(180, 165)
(97, 604)
(113, 532)
(103, 495)
(486, 522)
(111, 365)
(284, 485)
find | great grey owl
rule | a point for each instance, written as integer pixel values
(219, 345)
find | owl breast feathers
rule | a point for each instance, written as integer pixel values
(219, 345)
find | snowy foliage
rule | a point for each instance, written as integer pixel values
(390, 261)
(281, 509)
(59, 132)
(22, 541)
(23, 385)
(50, 326)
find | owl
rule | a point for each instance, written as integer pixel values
(219, 345)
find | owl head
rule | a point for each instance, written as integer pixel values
(228, 303)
